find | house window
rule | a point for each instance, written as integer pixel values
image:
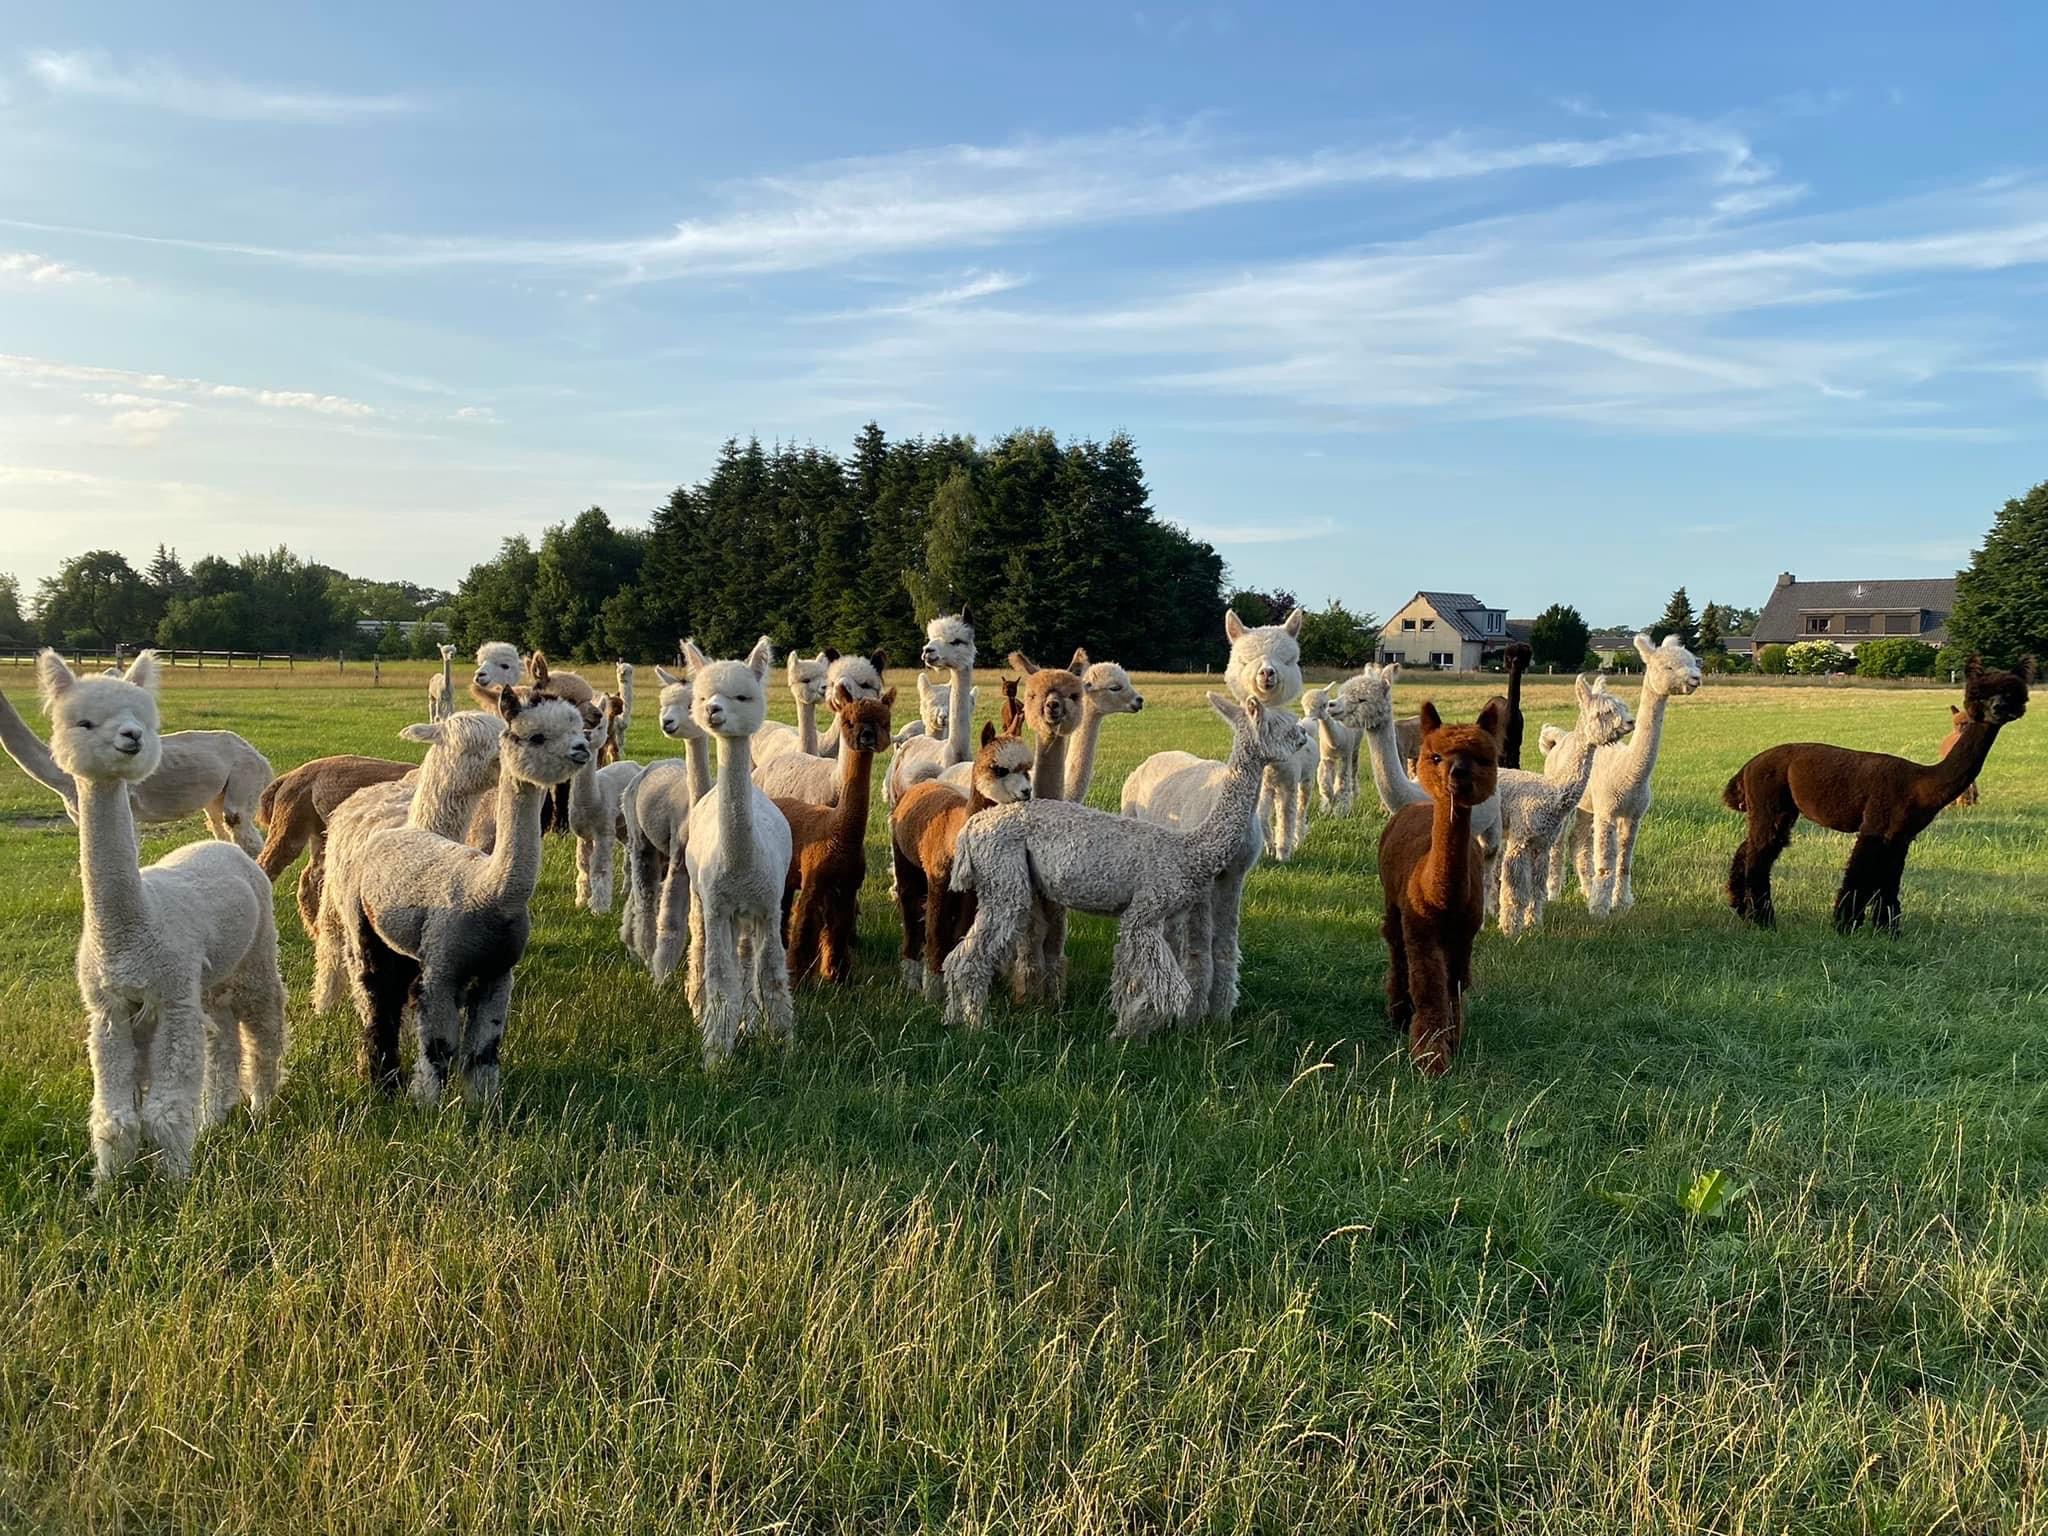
(1495, 623)
(1902, 623)
(1817, 624)
(1407, 623)
(1855, 623)
(1442, 659)
(1429, 623)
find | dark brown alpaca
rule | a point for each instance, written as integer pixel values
(1430, 868)
(922, 831)
(1885, 801)
(1516, 659)
(294, 810)
(828, 858)
(1013, 707)
(1948, 745)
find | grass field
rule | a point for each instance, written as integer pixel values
(1260, 1278)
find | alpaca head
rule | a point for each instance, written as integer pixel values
(1516, 658)
(1052, 697)
(1002, 768)
(546, 739)
(1315, 703)
(1265, 661)
(462, 750)
(807, 676)
(1013, 706)
(1668, 668)
(674, 713)
(1992, 698)
(102, 727)
(860, 676)
(599, 718)
(949, 642)
(935, 705)
(1263, 735)
(731, 697)
(498, 665)
(447, 651)
(863, 723)
(1105, 687)
(1366, 702)
(623, 672)
(1461, 763)
(1604, 718)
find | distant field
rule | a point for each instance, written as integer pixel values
(1260, 1278)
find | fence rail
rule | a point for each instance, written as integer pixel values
(121, 656)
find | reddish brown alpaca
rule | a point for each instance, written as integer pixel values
(1885, 801)
(1948, 745)
(828, 857)
(922, 833)
(1013, 707)
(294, 810)
(1430, 868)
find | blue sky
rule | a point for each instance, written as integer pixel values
(1540, 304)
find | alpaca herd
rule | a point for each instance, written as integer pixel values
(419, 878)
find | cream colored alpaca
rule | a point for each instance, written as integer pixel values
(1337, 747)
(1016, 857)
(215, 772)
(807, 685)
(948, 644)
(177, 963)
(809, 777)
(861, 678)
(1052, 712)
(1535, 808)
(441, 686)
(498, 665)
(622, 670)
(1602, 843)
(1265, 664)
(1105, 690)
(656, 810)
(738, 858)
(594, 811)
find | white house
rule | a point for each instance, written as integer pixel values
(1453, 631)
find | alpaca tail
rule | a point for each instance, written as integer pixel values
(1732, 796)
(266, 802)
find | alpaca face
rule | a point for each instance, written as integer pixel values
(935, 706)
(463, 749)
(1366, 702)
(1460, 763)
(731, 696)
(674, 715)
(1995, 698)
(1052, 697)
(949, 643)
(864, 723)
(102, 727)
(546, 739)
(1604, 718)
(498, 665)
(1315, 704)
(1669, 669)
(860, 676)
(1002, 769)
(1265, 662)
(1264, 735)
(623, 671)
(807, 677)
(1105, 686)
(447, 652)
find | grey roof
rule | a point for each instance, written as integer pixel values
(1780, 623)
(1451, 607)
(1610, 640)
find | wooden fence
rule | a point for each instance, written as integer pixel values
(81, 660)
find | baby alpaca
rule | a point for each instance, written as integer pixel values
(1145, 874)
(1535, 808)
(1948, 745)
(1430, 873)
(440, 925)
(1105, 690)
(622, 670)
(441, 686)
(498, 665)
(595, 794)
(1336, 752)
(1265, 664)
(177, 964)
(828, 850)
(807, 686)
(737, 854)
(806, 776)
(656, 811)
(922, 831)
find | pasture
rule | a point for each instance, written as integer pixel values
(1709, 1229)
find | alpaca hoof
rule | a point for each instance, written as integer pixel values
(910, 974)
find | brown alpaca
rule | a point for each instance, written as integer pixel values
(294, 810)
(1430, 868)
(1516, 659)
(922, 832)
(1948, 745)
(1013, 707)
(563, 685)
(613, 705)
(1885, 801)
(828, 858)
(1054, 709)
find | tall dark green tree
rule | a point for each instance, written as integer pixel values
(96, 599)
(15, 629)
(1710, 630)
(580, 566)
(1678, 620)
(493, 600)
(2001, 610)
(1557, 638)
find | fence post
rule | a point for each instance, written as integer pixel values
(291, 663)
(376, 671)
(340, 662)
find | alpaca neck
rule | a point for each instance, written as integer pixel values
(1959, 767)
(735, 793)
(1222, 831)
(807, 724)
(33, 756)
(583, 794)
(440, 804)
(1441, 876)
(697, 757)
(1388, 776)
(1570, 768)
(856, 778)
(1081, 762)
(1642, 748)
(1049, 767)
(114, 905)
(1511, 746)
(960, 724)
(514, 867)
(448, 681)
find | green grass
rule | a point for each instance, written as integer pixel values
(1260, 1278)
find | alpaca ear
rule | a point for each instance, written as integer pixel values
(53, 678)
(1227, 707)
(1023, 663)
(1599, 682)
(666, 678)
(1494, 720)
(1080, 662)
(143, 671)
(1643, 647)
(1583, 690)
(762, 656)
(889, 697)
(1293, 624)
(508, 703)
(1431, 720)
(1233, 626)
(828, 655)
(537, 669)
(426, 732)
(880, 661)
(1973, 668)
(967, 614)
(2025, 670)
(693, 659)
(838, 697)
(1390, 674)
(988, 732)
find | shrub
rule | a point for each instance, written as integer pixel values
(1816, 658)
(1950, 660)
(1723, 661)
(1895, 658)
(1771, 659)
(1626, 660)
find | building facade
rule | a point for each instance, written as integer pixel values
(1452, 631)
(1851, 612)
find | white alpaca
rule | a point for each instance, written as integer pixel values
(1535, 808)
(1148, 875)
(1105, 690)
(807, 776)
(811, 683)
(861, 678)
(656, 811)
(595, 795)
(1265, 664)
(807, 686)
(1365, 703)
(948, 645)
(445, 795)
(1602, 844)
(438, 924)
(441, 686)
(1337, 747)
(215, 772)
(738, 858)
(498, 665)
(622, 670)
(177, 964)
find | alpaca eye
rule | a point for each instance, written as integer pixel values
(1436, 757)
(85, 725)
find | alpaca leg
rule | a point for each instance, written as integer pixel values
(309, 896)
(718, 1014)
(583, 872)
(1301, 799)
(484, 1039)
(1770, 829)
(381, 981)
(1516, 864)
(699, 962)
(771, 983)
(1885, 914)
(259, 1013)
(602, 848)
(115, 1122)
(1400, 1005)
(1579, 847)
(437, 1022)
(332, 953)
(284, 843)
(1148, 986)
(1053, 968)
(1625, 828)
(805, 924)
(1027, 977)
(1225, 958)
(172, 1104)
(1431, 1042)
(675, 920)
(913, 898)
(1191, 938)
(1000, 922)
(1459, 953)
(223, 1084)
(1489, 875)
(1600, 894)
(842, 934)
(1862, 881)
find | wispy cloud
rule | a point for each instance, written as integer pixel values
(160, 384)
(1265, 533)
(162, 85)
(25, 267)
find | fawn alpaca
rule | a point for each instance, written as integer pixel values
(1948, 745)
(828, 850)
(1886, 801)
(1430, 874)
